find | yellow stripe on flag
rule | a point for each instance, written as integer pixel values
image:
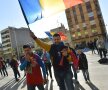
(52, 33)
(52, 6)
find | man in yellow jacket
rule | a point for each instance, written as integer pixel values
(62, 76)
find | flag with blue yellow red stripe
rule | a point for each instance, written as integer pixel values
(34, 10)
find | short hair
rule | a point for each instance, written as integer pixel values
(56, 35)
(26, 46)
(63, 47)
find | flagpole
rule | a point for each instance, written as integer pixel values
(24, 15)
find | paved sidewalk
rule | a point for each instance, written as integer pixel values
(98, 76)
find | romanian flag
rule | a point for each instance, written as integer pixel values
(34, 10)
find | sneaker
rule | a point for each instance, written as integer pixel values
(89, 81)
(86, 81)
(77, 82)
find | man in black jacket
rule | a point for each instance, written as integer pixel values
(14, 66)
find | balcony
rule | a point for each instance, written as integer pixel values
(6, 48)
(6, 39)
(4, 44)
(4, 35)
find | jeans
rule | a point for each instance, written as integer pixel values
(64, 79)
(32, 87)
(16, 72)
(75, 73)
(4, 71)
(1, 72)
(48, 68)
(86, 74)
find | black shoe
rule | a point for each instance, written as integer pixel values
(89, 81)
(86, 81)
(76, 81)
(17, 80)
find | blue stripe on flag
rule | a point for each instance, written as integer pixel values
(49, 35)
(31, 9)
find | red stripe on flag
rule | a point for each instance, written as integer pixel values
(63, 36)
(70, 3)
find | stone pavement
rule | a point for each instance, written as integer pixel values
(98, 76)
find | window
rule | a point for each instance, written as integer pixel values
(94, 30)
(77, 26)
(90, 14)
(84, 26)
(92, 22)
(93, 26)
(91, 18)
(86, 33)
(75, 15)
(88, 6)
(81, 13)
(79, 34)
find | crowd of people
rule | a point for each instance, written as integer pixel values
(97, 46)
(66, 63)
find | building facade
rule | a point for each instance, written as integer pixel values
(1, 50)
(85, 22)
(13, 40)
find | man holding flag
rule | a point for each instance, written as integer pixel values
(55, 53)
(34, 10)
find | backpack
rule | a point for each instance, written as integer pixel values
(103, 61)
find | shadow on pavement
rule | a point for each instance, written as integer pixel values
(24, 84)
(105, 63)
(12, 85)
(92, 86)
(7, 84)
(78, 86)
(51, 85)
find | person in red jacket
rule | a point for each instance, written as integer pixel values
(3, 67)
(32, 64)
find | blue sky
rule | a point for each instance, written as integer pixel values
(11, 15)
